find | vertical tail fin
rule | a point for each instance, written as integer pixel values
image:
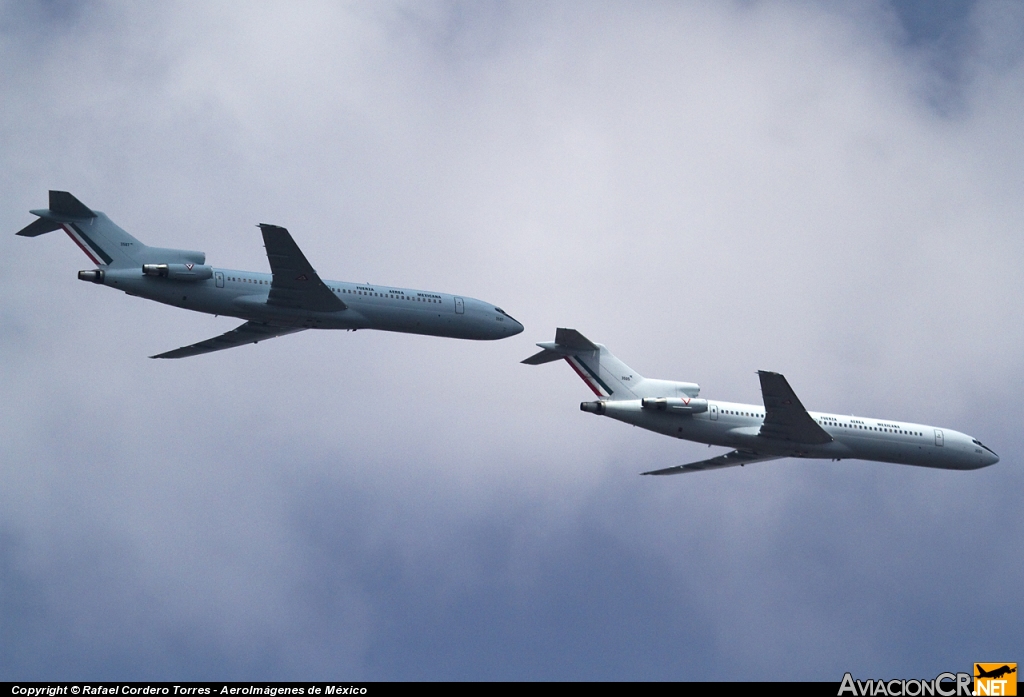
(606, 375)
(102, 241)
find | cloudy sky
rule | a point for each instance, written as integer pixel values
(707, 188)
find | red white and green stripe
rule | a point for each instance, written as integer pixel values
(91, 249)
(589, 376)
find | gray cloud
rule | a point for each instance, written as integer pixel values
(709, 190)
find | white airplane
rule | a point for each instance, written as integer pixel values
(289, 299)
(779, 428)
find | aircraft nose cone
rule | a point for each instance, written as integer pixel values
(507, 324)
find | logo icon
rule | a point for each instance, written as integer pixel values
(995, 679)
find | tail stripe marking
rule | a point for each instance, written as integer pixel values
(583, 377)
(83, 247)
(95, 247)
(596, 378)
(590, 378)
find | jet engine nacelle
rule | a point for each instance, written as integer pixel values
(92, 275)
(178, 272)
(676, 405)
(593, 407)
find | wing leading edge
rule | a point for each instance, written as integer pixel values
(248, 333)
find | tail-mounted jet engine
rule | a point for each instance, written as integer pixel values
(675, 405)
(178, 272)
(92, 275)
(593, 407)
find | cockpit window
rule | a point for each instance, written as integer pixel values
(978, 442)
(498, 309)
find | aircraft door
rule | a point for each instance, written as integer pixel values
(460, 306)
(938, 437)
(219, 275)
(713, 411)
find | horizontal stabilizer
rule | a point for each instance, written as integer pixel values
(573, 340)
(248, 333)
(39, 227)
(784, 416)
(64, 204)
(295, 284)
(567, 342)
(544, 356)
(731, 459)
(63, 208)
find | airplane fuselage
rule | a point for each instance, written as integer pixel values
(780, 427)
(244, 294)
(291, 298)
(736, 425)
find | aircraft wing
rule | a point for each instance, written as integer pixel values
(248, 333)
(295, 284)
(736, 457)
(784, 416)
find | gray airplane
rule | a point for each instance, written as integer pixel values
(289, 299)
(779, 428)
